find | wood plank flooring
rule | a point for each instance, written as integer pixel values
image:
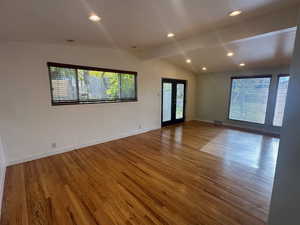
(187, 174)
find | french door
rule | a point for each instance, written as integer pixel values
(173, 101)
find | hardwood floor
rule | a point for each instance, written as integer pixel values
(181, 175)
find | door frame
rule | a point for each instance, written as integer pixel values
(174, 95)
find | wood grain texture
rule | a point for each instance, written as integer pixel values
(189, 174)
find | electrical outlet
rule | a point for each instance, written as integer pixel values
(53, 145)
(140, 126)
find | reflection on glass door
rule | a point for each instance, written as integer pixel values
(167, 102)
(179, 101)
(173, 101)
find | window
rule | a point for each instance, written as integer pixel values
(78, 84)
(282, 87)
(249, 98)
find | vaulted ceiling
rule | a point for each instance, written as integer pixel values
(262, 51)
(204, 31)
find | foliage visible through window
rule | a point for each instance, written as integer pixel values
(249, 98)
(64, 85)
(95, 85)
(283, 83)
(75, 85)
(179, 101)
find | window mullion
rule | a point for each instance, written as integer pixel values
(271, 103)
(77, 85)
(120, 86)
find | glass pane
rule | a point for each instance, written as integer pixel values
(167, 102)
(98, 85)
(283, 84)
(249, 98)
(63, 84)
(127, 86)
(179, 101)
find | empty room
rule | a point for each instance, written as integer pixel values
(138, 112)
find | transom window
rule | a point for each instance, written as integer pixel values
(72, 84)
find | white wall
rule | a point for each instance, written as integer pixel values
(213, 94)
(286, 193)
(2, 170)
(28, 122)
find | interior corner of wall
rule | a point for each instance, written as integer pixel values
(2, 152)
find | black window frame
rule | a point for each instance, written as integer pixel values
(230, 92)
(80, 102)
(276, 95)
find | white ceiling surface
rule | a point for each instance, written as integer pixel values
(142, 23)
(125, 23)
(274, 49)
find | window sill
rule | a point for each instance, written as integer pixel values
(92, 102)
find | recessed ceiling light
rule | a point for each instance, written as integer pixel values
(230, 54)
(204, 68)
(170, 35)
(242, 64)
(94, 18)
(188, 61)
(235, 13)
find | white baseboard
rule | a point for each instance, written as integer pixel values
(205, 121)
(71, 148)
(251, 129)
